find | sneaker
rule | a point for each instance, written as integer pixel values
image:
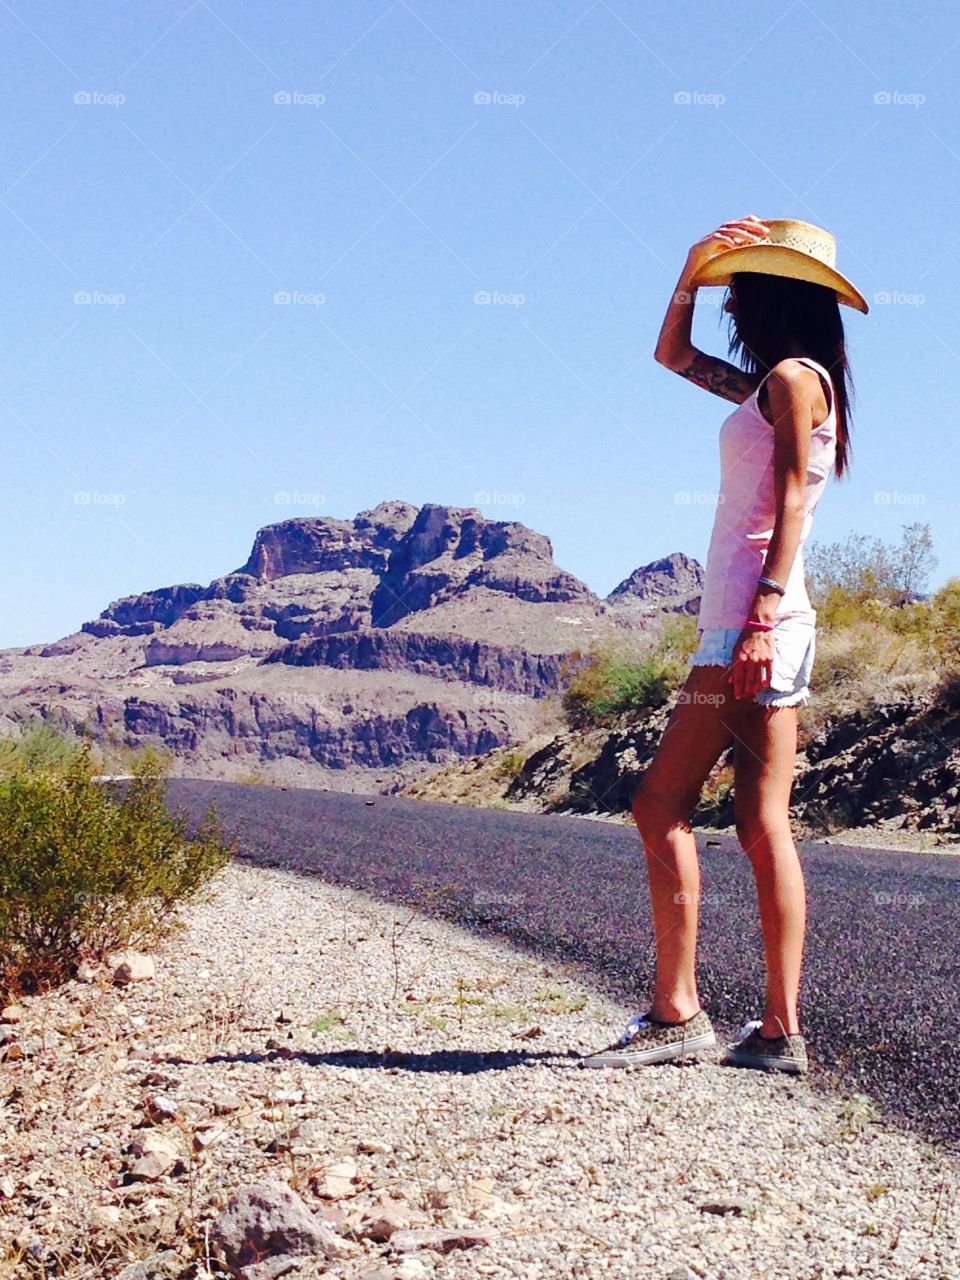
(647, 1041)
(780, 1053)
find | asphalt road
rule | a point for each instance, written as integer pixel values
(881, 989)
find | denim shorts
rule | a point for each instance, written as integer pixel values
(794, 645)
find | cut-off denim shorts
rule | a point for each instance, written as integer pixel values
(794, 644)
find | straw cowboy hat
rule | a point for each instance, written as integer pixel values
(795, 249)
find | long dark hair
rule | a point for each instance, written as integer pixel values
(775, 317)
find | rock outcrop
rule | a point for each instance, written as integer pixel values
(340, 650)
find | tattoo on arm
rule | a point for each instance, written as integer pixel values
(719, 376)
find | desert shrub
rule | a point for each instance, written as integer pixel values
(39, 746)
(509, 765)
(615, 680)
(713, 806)
(880, 636)
(85, 869)
(860, 568)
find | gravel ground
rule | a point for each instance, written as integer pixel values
(441, 1068)
(881, 987)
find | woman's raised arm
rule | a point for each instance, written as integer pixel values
(674, 349)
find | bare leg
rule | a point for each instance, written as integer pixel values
(695, 737)
(766, 745)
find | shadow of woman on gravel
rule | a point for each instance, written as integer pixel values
(463, 1062)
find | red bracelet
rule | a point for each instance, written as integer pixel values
(759, 626)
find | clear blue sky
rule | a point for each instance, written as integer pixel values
(382, 197)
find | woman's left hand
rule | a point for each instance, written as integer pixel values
(751, 668)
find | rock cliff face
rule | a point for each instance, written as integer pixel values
(674, 583)
(340, 650)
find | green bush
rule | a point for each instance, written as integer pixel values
(85, 870)
(509, 765)
(614, 681)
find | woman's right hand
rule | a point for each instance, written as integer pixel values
(729, 235)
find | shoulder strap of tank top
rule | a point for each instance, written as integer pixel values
(818, 366)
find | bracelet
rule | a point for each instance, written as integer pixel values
(771, 582)
(754, 625)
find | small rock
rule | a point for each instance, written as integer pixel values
(87, 972)
(266, 1218)
(723, 1208)
(384, 1219)
(224, 1104)
(310, 1132)
(339, 1180)
(12, 1052)
(283, 1265)
(159, 1108)
(371, 1147)
(207, 1136)
(411, 1269)
(12, 1013)
(162, 1266)
(107, 1215)
(154, 1156)
(7, 1188)
(131, 966)
(439, 1240)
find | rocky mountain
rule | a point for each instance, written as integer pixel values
(342, 653)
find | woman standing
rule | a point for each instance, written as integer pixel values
(757, 627)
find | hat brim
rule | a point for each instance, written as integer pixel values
(779, 260)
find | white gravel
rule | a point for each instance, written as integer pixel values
(578, 1173)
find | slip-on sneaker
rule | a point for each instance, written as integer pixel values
(779, 1053)
(647, 1041)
